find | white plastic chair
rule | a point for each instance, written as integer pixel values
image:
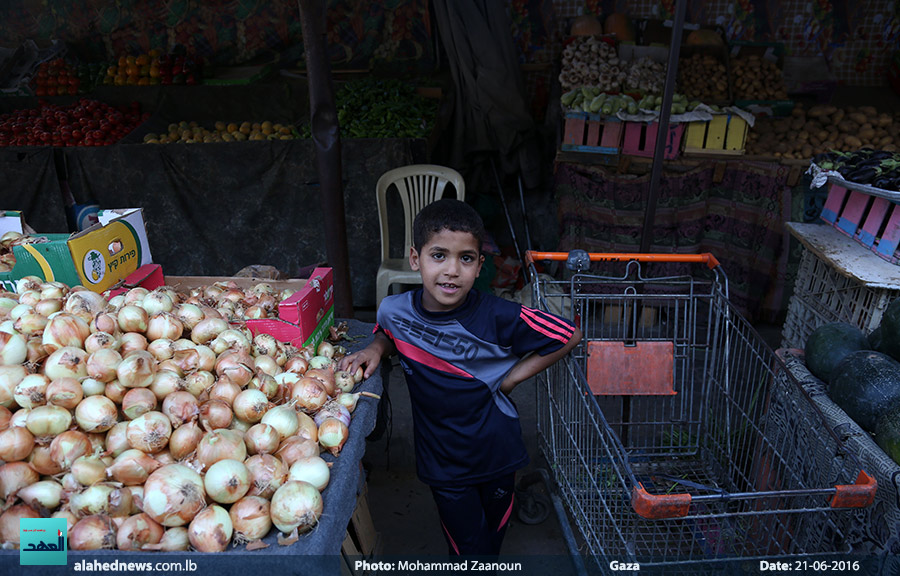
(418, 185)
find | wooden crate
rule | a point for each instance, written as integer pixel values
(640, 139)
(592, 133)
(361, 539)
(870, 220)
(724, 134)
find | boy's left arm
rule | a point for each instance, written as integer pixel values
(534, 363)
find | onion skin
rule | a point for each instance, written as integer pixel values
(211, 530)
(250, 519)
(9, 523)
(14, 476)
(296, 504)
(173, 495)
(137, 531)
(332, 435)
(97, 532)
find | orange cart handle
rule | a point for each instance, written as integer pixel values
(704, 258)
(659, 507)
(860, 494)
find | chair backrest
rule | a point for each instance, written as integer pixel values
(418, 185)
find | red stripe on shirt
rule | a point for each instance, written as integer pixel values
(546, 325)
(413, 352)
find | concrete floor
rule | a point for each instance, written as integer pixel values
(402, 509)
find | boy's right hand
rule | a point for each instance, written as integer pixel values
(368, 358)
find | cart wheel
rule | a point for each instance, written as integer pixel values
(534, 506)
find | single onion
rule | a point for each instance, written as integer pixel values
(173, 495)
(138, 531)
(97, 532)
(131, 341)
(149, 432)
(226, 481)
(85, 304)
(117, 439)
(207, 360)
(65, 330)
(102, 364)
(261, 439)
(312, 469)
(164, 325)
(101, 498)
(296, 448)
(307, 427)
(137, 402)
(332, 409)
(309, 394)
(31, 323)
(199, 381)
(53, 289)
(180, 407)
(250, 405)
(5, 417)
(283, 418)
(68, 447)
(344, 381)
(297, 364)
(231, 340)
(137, 369)
(70, 518)
(136, 295)
(161, 348)
(184, 440)
(215, 414)
(267, 474)
(157, 302)
(166, 383)
(225, 390)
(43, 494)
(174, 540)
(96, 414)
(10, 376)
(65, 392)
(132, 467)
(206, 330)
(265, 345)
(187, 359)
(40, 460)
(19, 417)
(100, 340)
(189, 314)
(297, 505)
(48, 421)
(66, 362)
(267, 365)
(107, 322)
(325, 349)
(36, 353)
(9, 522)
(132, 318)
(239, 425)
(115, 391)
(220, 444)
(238, 366)
(250, 518)
(264, 383)
(31, 392)
(14, 476)
(326, 376)
(92, 387)
(321, 363)
(210, 530)
(332, 435)
(88, 470)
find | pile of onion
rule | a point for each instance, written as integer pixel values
(155, 420)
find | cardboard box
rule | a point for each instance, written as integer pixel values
(11, 221)
(96, 258)
(304, 318)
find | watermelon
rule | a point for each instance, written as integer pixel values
(890, 329)
(831, 343)
(887, 433)
(866, 384)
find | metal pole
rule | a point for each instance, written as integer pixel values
(663, 133)
(326, 136)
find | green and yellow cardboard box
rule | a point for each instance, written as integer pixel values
(96, 258)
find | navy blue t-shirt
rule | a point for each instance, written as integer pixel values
(466, 430)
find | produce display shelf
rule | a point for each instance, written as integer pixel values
(592, 133)
(868, 215)
(640, 139)
(837, 280)
(725, 134)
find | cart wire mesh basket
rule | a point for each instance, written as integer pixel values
(673, 432)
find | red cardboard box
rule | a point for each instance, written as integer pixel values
(305, 317)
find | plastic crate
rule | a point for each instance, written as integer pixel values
(724, 134)
(592, 133)
(826, 291)
(640, 139)
(871, 220)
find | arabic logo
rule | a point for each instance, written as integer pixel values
(42, 541)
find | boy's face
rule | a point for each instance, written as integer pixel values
(449, 264)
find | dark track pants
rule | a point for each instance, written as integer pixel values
(474, 518)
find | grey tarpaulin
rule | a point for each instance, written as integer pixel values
(317, 550)
(490, 114)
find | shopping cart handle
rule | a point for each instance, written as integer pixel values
(705, 258)
(655, 507)
(858, 495)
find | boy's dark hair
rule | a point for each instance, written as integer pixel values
(446, 214)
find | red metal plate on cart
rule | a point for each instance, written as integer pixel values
(639, 369)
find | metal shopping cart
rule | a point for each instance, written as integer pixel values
(674, 434)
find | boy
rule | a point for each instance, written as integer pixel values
(463, 352)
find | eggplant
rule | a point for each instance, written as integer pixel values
(863, 175)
